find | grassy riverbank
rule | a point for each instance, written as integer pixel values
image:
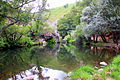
(110, 72)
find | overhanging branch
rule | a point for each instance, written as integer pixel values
(9, 17)
(5, 27)
(26, 2)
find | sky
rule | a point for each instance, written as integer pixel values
(52, 3)
(58, 3)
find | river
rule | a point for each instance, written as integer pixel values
(28, 62)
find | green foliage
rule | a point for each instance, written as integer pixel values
(86, 2)
(48, 28)
(69, 39)
(51, 42)
(18, 25)
(5, 8)
(25, 41)
(40, 27)
(2, 43)
(78, 33)
(16, 36)
(100, 18)
(25, 18)
(37, 27)
(116, 60)
(69, 22)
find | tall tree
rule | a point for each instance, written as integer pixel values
(17, 18)
(18, 12)
(101, 18)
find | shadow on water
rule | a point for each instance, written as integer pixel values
(65, 58)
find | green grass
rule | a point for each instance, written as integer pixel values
(113, 70)
(59, 12)
(110, 72)
(84, 72)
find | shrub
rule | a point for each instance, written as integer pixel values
(51, 42)
(69, 39)
(25, 41)
(2, 43)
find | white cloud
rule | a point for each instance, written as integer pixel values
(53, 3)
(58, 3)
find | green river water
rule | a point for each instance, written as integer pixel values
(65, 58)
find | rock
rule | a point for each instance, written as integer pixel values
(44, 43)
(69, 73)
(102, 66)
(53, 74)
(109, 79)
(100, 70)
(103, 63)
(96, 67)
(29, 78)
(107, 72)
(100, 78)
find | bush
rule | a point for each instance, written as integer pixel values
(69, 22)
(69, 39)
(26, 41)
(51, 42)
(2, 43)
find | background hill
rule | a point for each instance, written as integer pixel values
(57, 13)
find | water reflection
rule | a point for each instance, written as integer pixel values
(40, 73)
(65, 58)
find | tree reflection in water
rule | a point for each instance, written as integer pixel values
(66, 58)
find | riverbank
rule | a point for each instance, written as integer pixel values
(113, 46)
(110, 72)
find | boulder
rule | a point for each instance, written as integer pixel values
(103, 63)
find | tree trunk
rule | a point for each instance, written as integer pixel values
(96, 39)
(115, 38)
(103, 38)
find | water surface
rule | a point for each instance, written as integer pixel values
(64, 58)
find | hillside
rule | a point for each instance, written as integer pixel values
(57, 13)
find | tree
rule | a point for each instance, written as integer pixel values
(16, 21)
(18, 12)
(69, 22)
(101, 18)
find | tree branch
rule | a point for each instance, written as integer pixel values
(5, 27)
(27, 2)
(9, 17)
